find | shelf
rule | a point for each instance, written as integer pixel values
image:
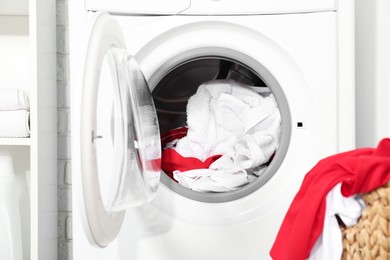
(14, 7)
(27, 62)
(14, 25)
(15, 141)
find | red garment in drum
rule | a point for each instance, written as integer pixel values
(172, 160)
(359, 171)
(174, 134)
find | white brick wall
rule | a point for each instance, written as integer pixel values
(64, 197)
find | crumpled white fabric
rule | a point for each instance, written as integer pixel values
(206, 180)
(330, 244)
(229, 118)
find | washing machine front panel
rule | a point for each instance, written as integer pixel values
(119, 134)
(284, 60)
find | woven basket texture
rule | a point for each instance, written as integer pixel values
(370, 237)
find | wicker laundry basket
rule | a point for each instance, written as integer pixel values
(370, 237)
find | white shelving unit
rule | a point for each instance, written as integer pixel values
(28, 62)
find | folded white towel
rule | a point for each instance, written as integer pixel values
(15, 123)
(229, 118)
(13, 99)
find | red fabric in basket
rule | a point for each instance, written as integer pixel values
(361, 170)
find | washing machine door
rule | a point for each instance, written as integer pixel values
(120, 139)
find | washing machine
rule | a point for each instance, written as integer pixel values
(133, 67)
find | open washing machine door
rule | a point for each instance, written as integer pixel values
(120, 138)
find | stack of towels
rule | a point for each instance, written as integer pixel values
(14, 113)
(234, 128)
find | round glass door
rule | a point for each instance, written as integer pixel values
(120, 139)
(127, 137)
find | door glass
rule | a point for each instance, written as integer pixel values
(127, 136)
(145, 127)
(109, 137)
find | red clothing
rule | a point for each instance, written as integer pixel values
(172, 160)
(359, 171)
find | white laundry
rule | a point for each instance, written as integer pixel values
(329, 244)
(13, 99)
(15, 123)
(206, 180)
(216, 180)
(228, 118)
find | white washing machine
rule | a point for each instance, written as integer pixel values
(131, 59)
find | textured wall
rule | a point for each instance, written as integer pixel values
(63, 126)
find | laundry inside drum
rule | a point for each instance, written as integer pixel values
(220, 125)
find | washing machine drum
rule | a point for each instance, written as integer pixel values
(206, 98)
(220, 124)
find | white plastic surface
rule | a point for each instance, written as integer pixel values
(10, 225)
(138, 6)
(206, 7)
(346, 75)
(258, 7)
